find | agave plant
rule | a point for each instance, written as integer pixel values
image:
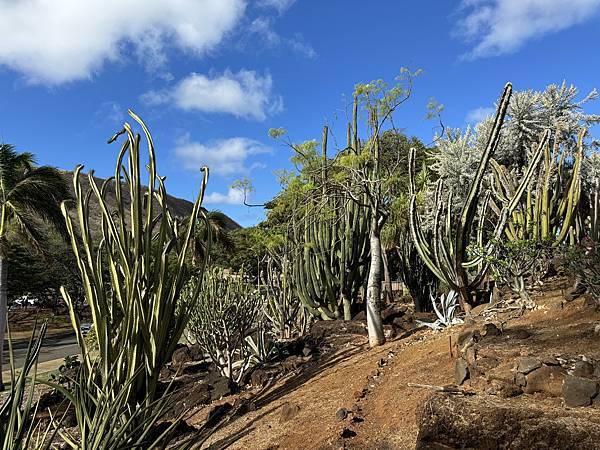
(445, 311)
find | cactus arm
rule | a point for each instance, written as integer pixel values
(574, 192)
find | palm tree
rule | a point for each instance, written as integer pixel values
(29, 197)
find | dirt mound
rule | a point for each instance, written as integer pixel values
(450, 421)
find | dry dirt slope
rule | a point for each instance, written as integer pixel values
(373, 383)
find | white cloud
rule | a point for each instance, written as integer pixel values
(233, 197)
(224, 156)
(243, 94)
(56, 41)
(279, 5)
(503, 26)
(479, 114)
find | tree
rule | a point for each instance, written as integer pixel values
(369, 177)
(29, 196)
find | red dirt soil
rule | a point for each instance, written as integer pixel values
(373, 383)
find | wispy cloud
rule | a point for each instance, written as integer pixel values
(497, 27)
(479, 114)
(245, 94)
(263, 28)
(111, 112)
(224, 157)
(54, 42)
(280, 5)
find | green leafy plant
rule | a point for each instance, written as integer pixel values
(66, 371)
(29, 199)
(582, 262)
(515, 261)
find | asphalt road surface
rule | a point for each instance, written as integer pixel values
(55, 347)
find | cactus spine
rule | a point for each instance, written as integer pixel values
(446, 256)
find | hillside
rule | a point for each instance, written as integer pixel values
(179, 207)
(347, 396)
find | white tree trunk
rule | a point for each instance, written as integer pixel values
(3, 311)
(374, 323)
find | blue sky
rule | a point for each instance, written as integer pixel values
(210, 77)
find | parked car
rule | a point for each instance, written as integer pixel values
(85, 328)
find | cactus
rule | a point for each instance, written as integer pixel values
(446, 255)
(594, 215)
(282, 308)
(329, 265)
(133, 273)
(548, 210)
(222, 319)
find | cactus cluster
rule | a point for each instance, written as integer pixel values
(330, 262)
(222, 319)
(446, 255)
(133, 273)
(548, 210)
(282, 308)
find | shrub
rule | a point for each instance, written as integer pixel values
(222, 319)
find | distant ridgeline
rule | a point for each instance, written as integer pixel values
(36, 275)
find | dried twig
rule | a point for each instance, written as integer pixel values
(448, 389)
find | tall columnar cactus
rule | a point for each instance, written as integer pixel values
(594, 216)
(548, 210)
(446, 255)
(133, 272)
(330, 266)
(332, 253)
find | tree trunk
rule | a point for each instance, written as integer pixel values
(3, 311)
(374, 323)
(386, 276)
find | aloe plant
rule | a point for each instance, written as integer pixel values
(133, 273)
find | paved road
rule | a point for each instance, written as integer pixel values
(54, 347)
